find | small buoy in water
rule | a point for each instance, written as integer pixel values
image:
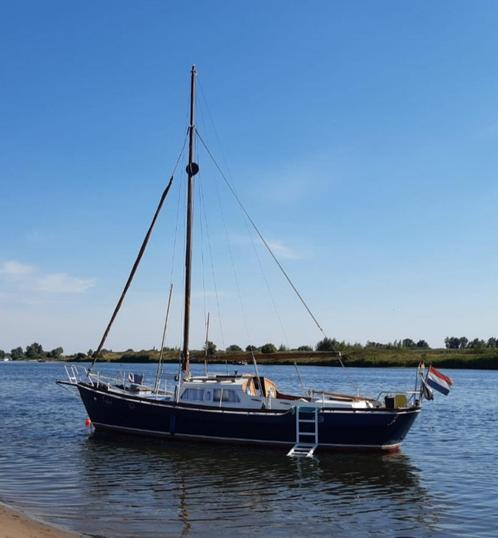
(88, 422)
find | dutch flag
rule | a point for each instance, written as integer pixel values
(438, 381)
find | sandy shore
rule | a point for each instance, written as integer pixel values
(14, 524)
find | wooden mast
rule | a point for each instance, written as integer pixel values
(192, 169)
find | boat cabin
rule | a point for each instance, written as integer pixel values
(240, 391)
(248, 391)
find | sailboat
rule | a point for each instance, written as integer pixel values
(244, 408)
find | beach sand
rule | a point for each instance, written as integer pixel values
(14, 524)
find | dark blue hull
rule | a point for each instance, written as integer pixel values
(381, 429)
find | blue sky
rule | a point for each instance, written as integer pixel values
(362, 137)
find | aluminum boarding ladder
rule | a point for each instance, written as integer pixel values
(306, 432)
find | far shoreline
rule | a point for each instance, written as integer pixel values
(485, 359)
(474, 359)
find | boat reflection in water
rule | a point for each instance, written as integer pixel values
(191, 488)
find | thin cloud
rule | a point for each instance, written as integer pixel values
(282, 251)
(12, 268)
(19, 277)
(279, 248)
(63, 283)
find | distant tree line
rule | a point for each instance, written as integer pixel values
(399, 344)
(326, 344)
(34, 351)
(461, 342)
(211, 349)
(331, 344)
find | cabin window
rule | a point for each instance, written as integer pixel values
(195, 395)
(226, 395)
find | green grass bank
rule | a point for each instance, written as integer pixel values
(364, 357)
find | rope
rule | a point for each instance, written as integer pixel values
(267, 284)
(226, 166)
(224, 161)
(203, 215)
(132, 273)
(201, 229)
(231, 257)
(161, 354)
(140, 254)
(253, 224)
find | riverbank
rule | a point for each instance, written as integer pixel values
(15, 524)
(480, 359)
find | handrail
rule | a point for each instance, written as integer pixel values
(410, 392)
(338, 396)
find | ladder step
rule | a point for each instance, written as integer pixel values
(305, 448)
(302, 451)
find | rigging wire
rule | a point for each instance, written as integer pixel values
(172, 275)
(232, 190)
(227, 167)
(232, 263)
(181, 152)
(213, 272)
(177, 219)
(184, 276)
(160, 363)
(132, 273)
(137, 260)
(267, 284)
(200, 221)
(201, 232)
(256, 229)
(204, 229)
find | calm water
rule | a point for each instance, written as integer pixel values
(444, 482)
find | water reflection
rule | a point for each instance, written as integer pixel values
(184, 487)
